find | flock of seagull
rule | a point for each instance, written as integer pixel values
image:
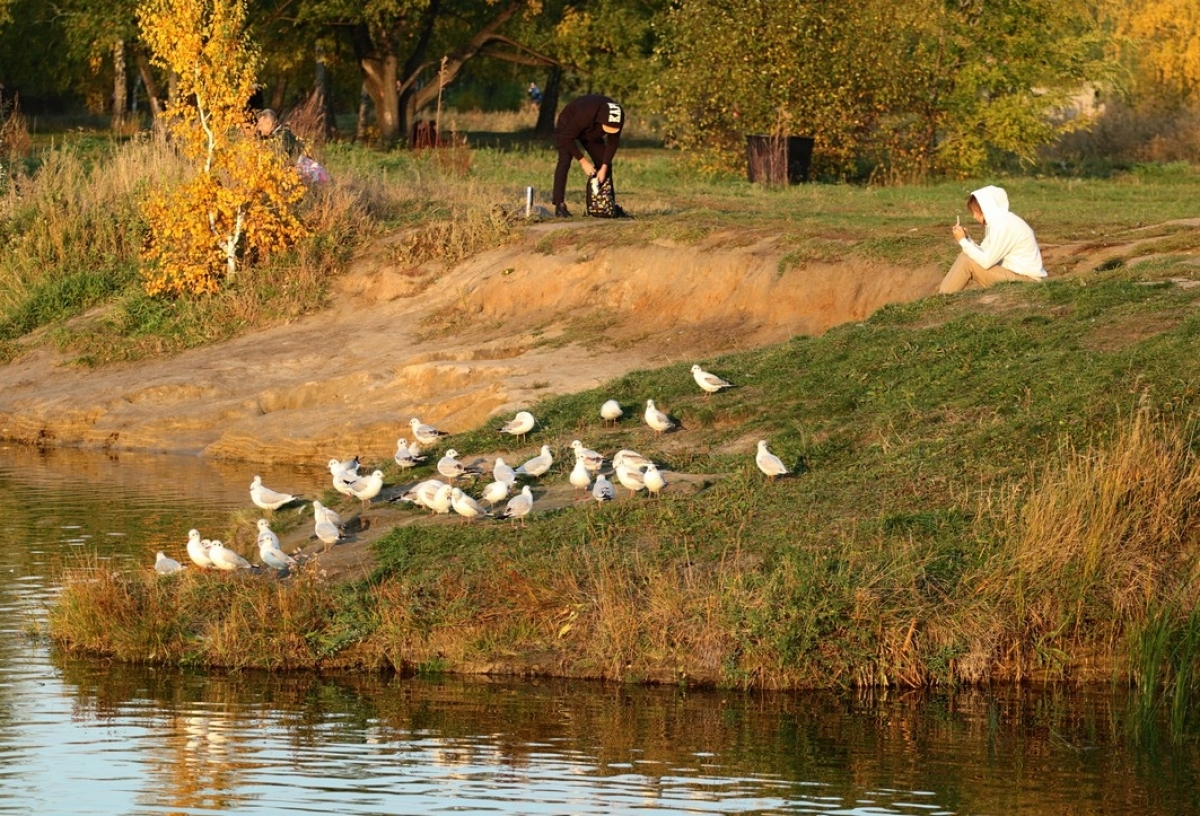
(630, 469)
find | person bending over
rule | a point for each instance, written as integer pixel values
(595, 121)
(1009, 250)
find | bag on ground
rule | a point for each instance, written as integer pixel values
(600, 200)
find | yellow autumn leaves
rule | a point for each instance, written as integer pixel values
(240, 204)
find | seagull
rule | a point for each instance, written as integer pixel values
(503, 472)
(265, 532)
(465, 505)
(451, 468)
(592, 460)
(611, 411)
(367, 487)
(425, 434)
(656, 419)
(404, 456)
(422, 493)
(325, 530)
(631, 478)
(653, 479)
(520, 425)
(321, 512)
(602, 491)
(630, 459)
(442, 497)
(518, 506)
(265, 498)
(349, 466)
(711, 383)
(495, 492)
(538, 465)
(226, 559)
(164, 565)
(269, 552)
(769, 463)
(580, 477)
(198, 550)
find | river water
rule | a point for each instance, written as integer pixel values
(82, 736)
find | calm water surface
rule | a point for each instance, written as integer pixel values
(84, 736)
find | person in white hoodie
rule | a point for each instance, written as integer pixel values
(1009, 250)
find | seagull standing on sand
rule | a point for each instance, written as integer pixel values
(422, 493)
(602, 491)
(323, 513)
(425, 434)
(440, 504)
(325, 530)
(465, 505)
(656, 419)
(197, 550)
(610, 412)
(631, 478)
(518, 506)
(164, 565)
(503, 472)
(538, 465)
(226, 559)
(367, 487)
(451, 468)
(265, 498)
(769, 463)
(711, 383)
(520, 425)
(404, 456)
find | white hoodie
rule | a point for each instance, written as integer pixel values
(1007, 239)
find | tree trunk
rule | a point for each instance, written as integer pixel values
(120, 86)
(379, 79)
(153, 92)
(548, 110)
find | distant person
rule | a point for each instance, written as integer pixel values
(1009, 250)
(535, 95)
(268, 127)
(596, 122)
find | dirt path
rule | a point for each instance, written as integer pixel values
(490, 337)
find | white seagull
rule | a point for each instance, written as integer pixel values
(538, 465)
(518, 506)
(503, 472)
(495, 492)
(465, 505)
(611, 411)
(630, 459)
(451, 468)
(325, 530)
(422, 493)
(769, 463)
(442, 497)
(265, 532)
(404, 456)
(164, 565)
(367, 487)
(349, 466)
(425, 434)
(711, 383)
(653, 479)
(321, 512)
(520, 425)
(631, 478)
(270, 553)
(226, 559)
(580, 477)
(198, 550)
(656, 419)
(592, 460)
(602, 491)
(265, 498)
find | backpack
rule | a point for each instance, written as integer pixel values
(600, 200)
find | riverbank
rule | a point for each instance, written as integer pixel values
(987, 487)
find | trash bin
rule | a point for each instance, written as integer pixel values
(778, 159)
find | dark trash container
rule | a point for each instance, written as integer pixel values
(778, 159)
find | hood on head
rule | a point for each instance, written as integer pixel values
(992, 200)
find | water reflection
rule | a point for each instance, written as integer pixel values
(85, 736)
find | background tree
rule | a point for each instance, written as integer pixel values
(1159, 40)
(240, 202)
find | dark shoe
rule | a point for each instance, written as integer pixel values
(561, 211)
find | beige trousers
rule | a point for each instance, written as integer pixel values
(966, 270)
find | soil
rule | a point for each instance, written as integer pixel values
(452, 347)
